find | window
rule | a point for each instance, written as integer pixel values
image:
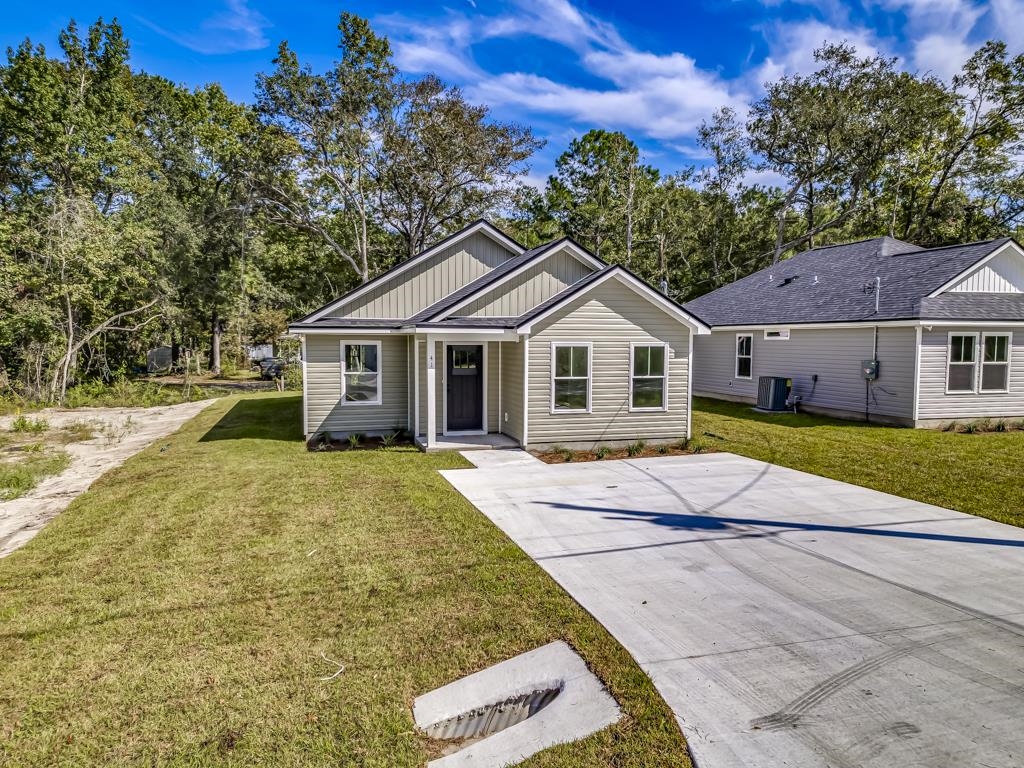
(995, 362)
(570, 377)
(781, 334)
(647, 378)
(962, 368)
(360, 373)
(744, 355)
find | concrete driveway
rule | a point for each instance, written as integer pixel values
(787, 619)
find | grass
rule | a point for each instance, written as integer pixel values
(19, 477)
(974, 472)
(176, 613)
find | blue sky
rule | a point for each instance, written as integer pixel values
(654, 70)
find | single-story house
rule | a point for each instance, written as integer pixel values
(878, 329)
(479, 336)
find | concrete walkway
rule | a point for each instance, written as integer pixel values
(787, 619)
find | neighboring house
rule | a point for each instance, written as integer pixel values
(946, 326)
(479, 335)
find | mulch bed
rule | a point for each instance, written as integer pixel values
(323, 443)
(569, 456)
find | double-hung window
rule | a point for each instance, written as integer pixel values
(360, 373)
(995, 362)
(962, 368)
(744, 355)
(570, 378)
(647, 390)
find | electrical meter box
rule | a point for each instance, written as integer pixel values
(869, 369)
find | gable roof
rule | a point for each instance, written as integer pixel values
(482, 283)
(480, 225)
(523, 323)
(826, 285)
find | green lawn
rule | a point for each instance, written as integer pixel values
(176, 613)
(975, 473)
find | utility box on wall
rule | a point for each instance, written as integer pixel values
(869, 369)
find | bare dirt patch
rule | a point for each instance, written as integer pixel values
(90, 441)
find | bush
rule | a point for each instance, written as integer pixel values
(354, 439)
(601, 451)
(636, 448)
(24, 424)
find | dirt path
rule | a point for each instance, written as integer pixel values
(120, 434)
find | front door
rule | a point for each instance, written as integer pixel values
(465, 387)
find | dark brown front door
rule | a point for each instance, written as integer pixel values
(465, 387)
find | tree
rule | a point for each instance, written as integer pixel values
(830, 134)
(445, 163)
(599, 191)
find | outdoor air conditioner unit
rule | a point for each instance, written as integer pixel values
(772, 393)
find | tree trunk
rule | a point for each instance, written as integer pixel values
(216, 331)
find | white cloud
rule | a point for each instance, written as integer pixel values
(792, 45)
(237, 28)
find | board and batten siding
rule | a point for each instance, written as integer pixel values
(835, 355)
(934, 403)
(525, 291)
(1004, 273)
(609, 316)
(324, 408)
(512, 388)
(404, 295)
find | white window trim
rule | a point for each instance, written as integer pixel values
(590, 377)
(981, 363)
(664, 392)
(783, 335)
(736, 357)
(949, 362)
(380, 373)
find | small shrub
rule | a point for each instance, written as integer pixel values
(636, 448)
(1001, 426)
(984, 425)
(969, 428)
(602, 451)
(24, 424)
(354, 439)
(663, 448)
(565, 453)
(388, 439)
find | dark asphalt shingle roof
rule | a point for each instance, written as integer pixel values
(973, 306)
(826, 285)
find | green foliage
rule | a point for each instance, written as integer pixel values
(602, 451)
(20, 477)
(354, 440)
(23, 423)
(636, 448)
(388, 439)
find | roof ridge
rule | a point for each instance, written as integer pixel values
(964, 245)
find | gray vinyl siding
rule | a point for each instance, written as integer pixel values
(534, 286)
(834, 355)
(325, 411)
(934, 403)
(512, 388)
(610, 317)
(430, 281)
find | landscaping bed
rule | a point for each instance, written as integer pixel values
(322, 441)
(637, 450)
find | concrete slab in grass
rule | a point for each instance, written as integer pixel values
(576, 705)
